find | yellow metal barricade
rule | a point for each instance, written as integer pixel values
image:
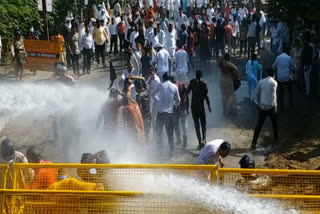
(92, 202)
(272, 181)
(113, 177)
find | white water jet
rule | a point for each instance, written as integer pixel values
(209, 196)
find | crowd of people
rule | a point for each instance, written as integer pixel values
(163, 40)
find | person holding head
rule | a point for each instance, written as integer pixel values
(214, 151)
(168, 97)
(266, 100)
(199, 94)
(86, 43)
(43, 177)
(253, 67)
(162, 60)
(18, 53)
(229, 74)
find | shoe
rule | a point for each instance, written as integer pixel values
(200, 147)
(88, 72)
(253, 147)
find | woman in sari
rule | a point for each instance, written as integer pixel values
(252, 69)
(228, 75)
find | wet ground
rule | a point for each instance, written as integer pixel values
(299, 125)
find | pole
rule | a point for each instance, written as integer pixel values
(45, 19)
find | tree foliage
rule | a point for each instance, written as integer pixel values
(19, 13)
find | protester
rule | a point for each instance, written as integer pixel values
(43, 177)
(143, 99)
(181, 61)
(252, 35)
(86, 43)
(266, 100)
(214, 151)
(100, 37)
(235, 33)
(162, 60)
(253, 68)
(199, 95)
(228, 29)
(121, 33)
(180, 20)
(229, 74)
(220, 33)
(204, 43)
(168, 96)
(18, 53)
(284, 67)
(243, 37)
(181, 112)
(114, 36)
(9, 155)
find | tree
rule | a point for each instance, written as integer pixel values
(19, 13)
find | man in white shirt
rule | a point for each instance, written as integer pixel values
(170, 38)
(180, 20)
(162, 60)
(114, 36)
(134, 35)
(153, 82)
(86, 43)
(252, 36)
(181, 60)
(214, 151)
(266, 99)
(149, 32)
(161, 35)
(243, 12)
(284, 67)
(168, 96)
(235, 33)
(117, 7)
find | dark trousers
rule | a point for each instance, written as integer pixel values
(126, 45)
(114, 43)
(199, 117)
(263, 114)
(68, 57)
(86, 60)
(219, 47)
(121, 39)
(251, 45)
(165, 119)
(75, 63)
(243, 45)
(281, 86)
(100, 52)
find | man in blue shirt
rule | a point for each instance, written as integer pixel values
(284, 66)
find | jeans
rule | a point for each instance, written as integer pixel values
(182, 116)
(114, 43)
(121, 39)
(75, 64)
(68, 58)
(165, 119)
(251, 46)
(263, 114)
(281, 86)
(100, 52)
(199, 117)
(86, 60)
(243, 45)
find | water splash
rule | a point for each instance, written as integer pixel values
(210, 197)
